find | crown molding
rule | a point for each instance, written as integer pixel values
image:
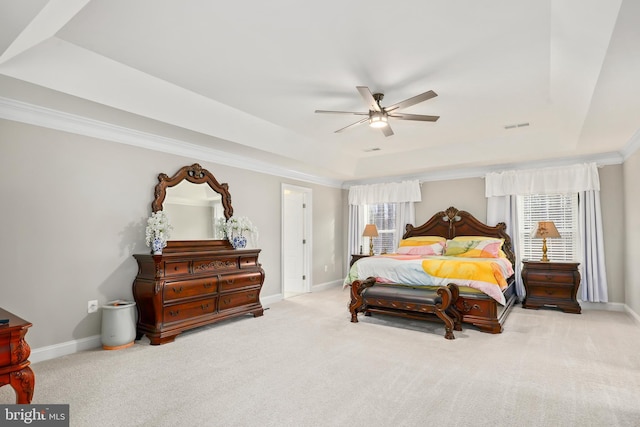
(23, 112)
(36, 115)
(604, 159)
(632, 146)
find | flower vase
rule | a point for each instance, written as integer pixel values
(239, 242)
(157, 245)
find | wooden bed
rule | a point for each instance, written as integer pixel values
(477, 308)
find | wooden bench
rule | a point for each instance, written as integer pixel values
(415, 303)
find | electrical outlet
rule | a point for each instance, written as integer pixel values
(92, 306)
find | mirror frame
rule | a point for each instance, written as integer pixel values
(195, 174)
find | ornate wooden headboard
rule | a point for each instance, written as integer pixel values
(452, 223)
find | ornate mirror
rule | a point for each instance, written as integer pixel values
(195, 202)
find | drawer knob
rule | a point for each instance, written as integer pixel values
(208, 285)
(227, 301)
(204, 306)
(251, 295)
(174, 313)
(253, 278)
(177, 290)
(230, 281)
(549, 291)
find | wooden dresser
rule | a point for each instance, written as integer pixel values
(551, 284)
(14, 355)
(190, 286)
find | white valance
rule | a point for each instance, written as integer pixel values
(555, 180)
(395, 192)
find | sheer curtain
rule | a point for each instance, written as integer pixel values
(503, 209)
(355, 230)
(593, 283)
(404, 194)
(406, 214)
(502, 187)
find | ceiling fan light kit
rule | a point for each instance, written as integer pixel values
(378, 120)
(378, 116)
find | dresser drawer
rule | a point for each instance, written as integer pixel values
(538, 276)
(176, 268)
(249, 261)
(214, 265)
(189, 288)
(188, 310)
(550, 290)
(229, 282)
(237, 299)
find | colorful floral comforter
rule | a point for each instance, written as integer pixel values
(487, 275)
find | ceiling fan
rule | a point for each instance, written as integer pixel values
(378, 116)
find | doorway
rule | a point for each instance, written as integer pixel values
(296, 240)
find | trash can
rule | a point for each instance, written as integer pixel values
(118, 324)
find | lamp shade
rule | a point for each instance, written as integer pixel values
(545, 229)
(370, 230)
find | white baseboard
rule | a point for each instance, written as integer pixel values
(267, 301)
(325, 286)
(607, 306)
(610, 306)
(271, 299)
(63, 349)
(632, 313)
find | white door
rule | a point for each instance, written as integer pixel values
(295, 239)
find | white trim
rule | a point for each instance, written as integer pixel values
(23, 112)
(308, 232)
(65, 348)
(271, 299)
(606, 306)
(632, 313)
(326, 285)
(632, 146)
(604, 159)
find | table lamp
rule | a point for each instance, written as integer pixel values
(545, 229)
(370, 231)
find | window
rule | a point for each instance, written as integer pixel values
(562, 209)
(383, 215)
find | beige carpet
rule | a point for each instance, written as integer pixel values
(304, 364)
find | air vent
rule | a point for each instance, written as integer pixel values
(519, 125)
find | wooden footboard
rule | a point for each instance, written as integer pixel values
(484, 313)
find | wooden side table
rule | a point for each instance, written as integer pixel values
(551, 284)
(355, 257)
(14, 352)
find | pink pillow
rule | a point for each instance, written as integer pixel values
(432, 249)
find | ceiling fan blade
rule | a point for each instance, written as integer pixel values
(418, 117)
(359, 122)
(387, 130)
(412, 101)
(368, 98)
(342, 112)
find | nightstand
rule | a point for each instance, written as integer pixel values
(551, 284)
(355, 257)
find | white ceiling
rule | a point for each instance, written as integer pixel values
(247, 77)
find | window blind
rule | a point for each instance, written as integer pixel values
(383, 215)
(562, 209)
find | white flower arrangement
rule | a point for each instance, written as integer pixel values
(158, 230)
(238, 227)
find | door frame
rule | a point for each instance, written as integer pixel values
(307, 247)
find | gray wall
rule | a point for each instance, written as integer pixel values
(74, 212)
